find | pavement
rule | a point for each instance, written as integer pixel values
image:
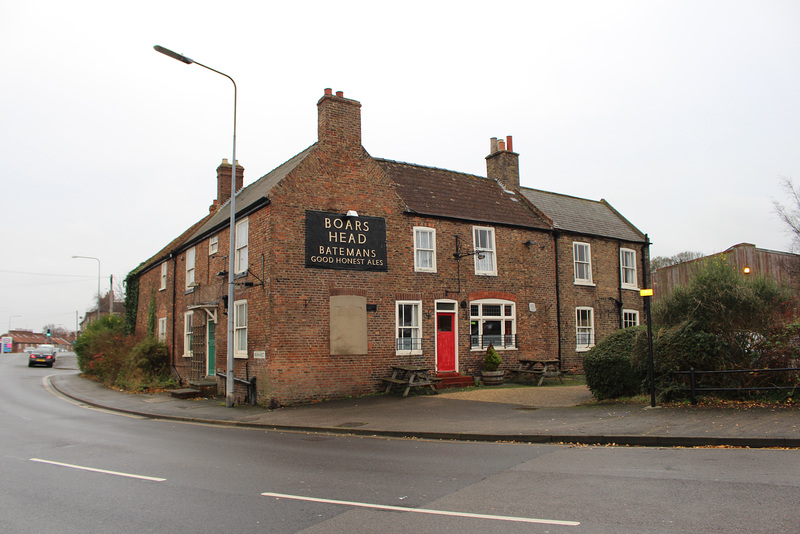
(535, 414)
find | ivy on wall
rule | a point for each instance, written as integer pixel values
(151, 317)
(131, 301)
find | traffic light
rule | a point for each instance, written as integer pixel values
(48, 333)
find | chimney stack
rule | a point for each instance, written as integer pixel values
(502, 164)
(339, 124)
(224, 181)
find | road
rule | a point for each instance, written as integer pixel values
(68, 468)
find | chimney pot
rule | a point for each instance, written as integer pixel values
(509, 146)
(492, 145)
(328, 91)
(501, 145)
(340, 93)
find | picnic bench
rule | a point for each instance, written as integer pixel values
(410, 376)
(539, 367)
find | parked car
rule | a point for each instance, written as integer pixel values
(43, 354)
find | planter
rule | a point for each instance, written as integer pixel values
(492, 378)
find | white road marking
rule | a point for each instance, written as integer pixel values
(424, 510)
(105, 472)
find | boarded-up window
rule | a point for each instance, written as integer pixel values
(348, 324)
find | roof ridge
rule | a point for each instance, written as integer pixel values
(434, 168)
(560, 194)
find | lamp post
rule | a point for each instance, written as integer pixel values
(232, 242)
(98, 279)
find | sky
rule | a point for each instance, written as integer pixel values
(683, 115)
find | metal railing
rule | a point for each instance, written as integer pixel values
(694, 389)
(408, 343)
(499, 342)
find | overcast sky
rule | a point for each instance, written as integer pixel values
(682, 114)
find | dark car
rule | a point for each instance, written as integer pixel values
(43, 354)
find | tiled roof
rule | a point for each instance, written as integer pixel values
(583, 216)
(245, 198)
(442, 193)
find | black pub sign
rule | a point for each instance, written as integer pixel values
(336, 241)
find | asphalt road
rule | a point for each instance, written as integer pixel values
(68, 468)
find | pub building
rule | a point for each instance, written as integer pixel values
(346, 264)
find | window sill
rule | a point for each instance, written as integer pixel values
(584, 284)
(498, 349)
(408, 353)
(583, 349)
(240, 356)
(630, 288)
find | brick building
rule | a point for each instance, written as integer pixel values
(347, 264)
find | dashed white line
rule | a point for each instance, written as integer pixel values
(103, 471)
(424, 510)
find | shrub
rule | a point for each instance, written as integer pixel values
(608, 365)
(492, 360)
(150, 356)
(721, 321)
(101, 348)
(106, 353)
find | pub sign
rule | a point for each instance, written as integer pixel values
(336, 241)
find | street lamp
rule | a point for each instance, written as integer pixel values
(98, 279)
(232, 242)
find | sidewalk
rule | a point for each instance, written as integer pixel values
(534, 415)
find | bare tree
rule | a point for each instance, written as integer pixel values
(790, 215)
(663, 261)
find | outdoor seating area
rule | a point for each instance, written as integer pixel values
(410, 376)
(538, 368)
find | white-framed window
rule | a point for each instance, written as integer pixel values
(424, 249)
(630, 318)
(582, 258)
(213, 244)
(240, 329)
(162, 329)
(187, 334)
(190, 268)
(627, 266)
(483, 246)
(409, 327)
(163, 277)
(493, 322)
(584, 328)
(241, 260)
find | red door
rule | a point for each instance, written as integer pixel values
(445, 342)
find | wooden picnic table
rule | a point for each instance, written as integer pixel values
(410, 376)
(542, 367)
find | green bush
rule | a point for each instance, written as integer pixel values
(102, 347)
(608, 365)
(492, 360)
(721, 321)
(113, 358)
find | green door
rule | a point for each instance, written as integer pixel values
(211, 360)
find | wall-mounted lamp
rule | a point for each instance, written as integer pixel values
(352, 213)
(529, 243)
(746, 270)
